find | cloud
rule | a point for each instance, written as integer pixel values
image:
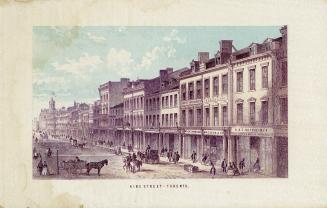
(40, 78)
(95, 38)
(120, 61)
(80, 67)
(174, 37)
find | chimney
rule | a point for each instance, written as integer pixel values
(226, 46)
(203, 57)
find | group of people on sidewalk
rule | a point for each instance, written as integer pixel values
(42, 168)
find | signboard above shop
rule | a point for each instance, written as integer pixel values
(193, 131)
(215, 100)
(213, 132)
(252, 131)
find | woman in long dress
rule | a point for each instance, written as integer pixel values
(45, 169)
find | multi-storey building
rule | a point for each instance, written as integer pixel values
(169, 109)
(234, 105)
(134, 113)
(117, 121)
(111, 94)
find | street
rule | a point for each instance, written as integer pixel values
(114, 169)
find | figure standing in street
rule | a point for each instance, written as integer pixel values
(212, 169)
(193, 156)
(224, 165)
(45, 169)
(242, 165)
(40, 167)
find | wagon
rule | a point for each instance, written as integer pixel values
(71, 166)
(152, 157)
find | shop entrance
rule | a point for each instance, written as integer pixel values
(171, 142)
(254, 150)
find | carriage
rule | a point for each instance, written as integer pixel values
(152, 157)
(72, 166)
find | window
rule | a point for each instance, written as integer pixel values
(225, 84)
(215, 86)
(190, 118)
(252, 112)
(190, 91)
(183, 89)
(146, 120)
(215, 116)
(163, 102)
(171, 101)
(167, 122)
(167, 101)
(206, 87)
(175, 100)
(183, 118)
(207, 117)
(171, 119)
(284, 73)
(199, 89)
(265, 77)
(264, 112)
(239, 113)
(239, 83)
(162, 119)
(175, 119)
(283, 110)
(252, 79)
(199, 117)
(225, 118)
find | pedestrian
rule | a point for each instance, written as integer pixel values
(242, 165)
(256, 166)
(193, 156)
(45, 169)
(177, 156)
(40, 167)
(212, 169)
(224, 165)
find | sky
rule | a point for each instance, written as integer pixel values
(69, 63)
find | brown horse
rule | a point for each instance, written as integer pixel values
(96, 165)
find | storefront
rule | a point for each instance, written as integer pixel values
(213, 145)
(254, 144)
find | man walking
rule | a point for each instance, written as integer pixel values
(193, 156)
(242, 165)
(224, 165)
(40, 167)
(212, 169)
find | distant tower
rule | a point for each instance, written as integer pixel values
(52, 104)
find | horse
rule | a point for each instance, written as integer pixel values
(96, 165)
(136, 164)
(127, 164)
(82, 145)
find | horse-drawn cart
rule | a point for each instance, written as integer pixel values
(151, 157)
(72, 166)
